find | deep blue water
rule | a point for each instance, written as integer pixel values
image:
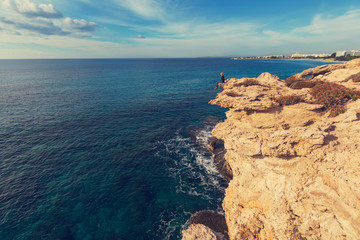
(99, 149)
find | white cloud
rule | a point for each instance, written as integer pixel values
(39, 26)
(78, 25)
(45, 20)
(30, 10)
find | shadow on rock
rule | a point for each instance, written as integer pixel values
(214, 221)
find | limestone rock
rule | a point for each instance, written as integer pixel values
(201, 232)
(337, 73)
(257, 97)
(213, 220)
(217, 147)
(353, 63)
(296, 171)
(320, 70)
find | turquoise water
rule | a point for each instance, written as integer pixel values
(100, 149)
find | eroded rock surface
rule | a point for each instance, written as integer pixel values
(213, 220)
(296, 170)
(201, 232)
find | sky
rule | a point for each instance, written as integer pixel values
(175, 28)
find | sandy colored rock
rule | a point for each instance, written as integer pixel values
(296, 171)
(337, 73)
(201, 232)
(256, 97)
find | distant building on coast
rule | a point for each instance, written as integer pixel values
(312, 55)
(352, 53)
(340, 53)
(274, 57)
(262, 57)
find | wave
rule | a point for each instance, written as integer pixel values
(193, 167)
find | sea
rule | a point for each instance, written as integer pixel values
(96, 149)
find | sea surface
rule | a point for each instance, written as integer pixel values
(101, 149)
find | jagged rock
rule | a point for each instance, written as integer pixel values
(355, 78)
(337, 73)
(255, 97)
(216, 145)
(218, 149)
(303, 84)
(320, 70)
(296, 171)
(201, 232)
(214, 221)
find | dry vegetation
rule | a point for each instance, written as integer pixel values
(294, 83)
(333, 97)
(288, 100)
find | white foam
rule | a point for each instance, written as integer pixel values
(193, 163)
(195, 175)
(167, 228)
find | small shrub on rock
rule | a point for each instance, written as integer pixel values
(303, 84)
(333, 97)
(291, 80)
(288, 100)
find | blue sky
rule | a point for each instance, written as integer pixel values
(175, 28)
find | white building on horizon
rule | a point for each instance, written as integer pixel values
(340, 54)
(352, 53)
(313, 55)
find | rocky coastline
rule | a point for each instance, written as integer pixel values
(292, 156)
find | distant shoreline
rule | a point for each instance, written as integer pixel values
(330, 60)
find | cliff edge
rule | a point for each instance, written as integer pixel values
(294, 150)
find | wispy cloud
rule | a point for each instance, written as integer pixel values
(166, 22)
(150, 9)
(169, 32)
(39, 26)
(325, 33)
(330, 25)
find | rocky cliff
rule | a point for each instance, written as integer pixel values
(294, 150)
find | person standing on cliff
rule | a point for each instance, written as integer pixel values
(221, 81)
